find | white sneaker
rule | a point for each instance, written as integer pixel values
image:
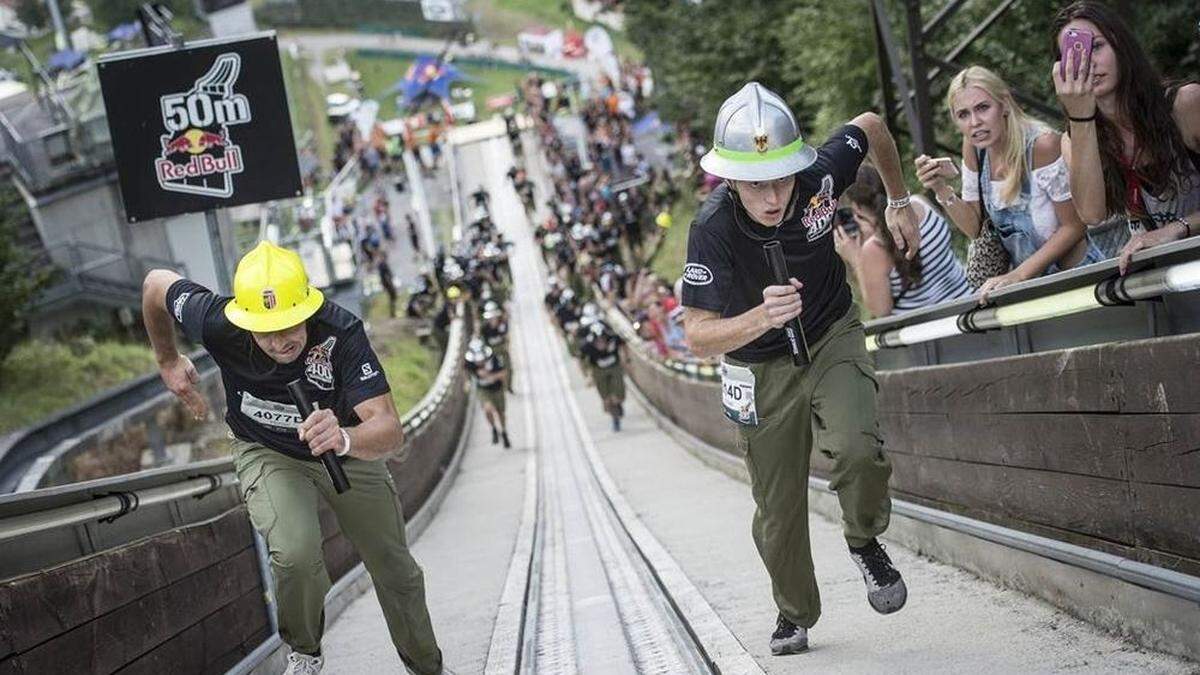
(303, 664)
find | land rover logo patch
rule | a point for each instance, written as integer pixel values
(697, 274)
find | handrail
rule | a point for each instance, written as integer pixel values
(115, 496)
(22, 446)
(1186, 249)
(1109, 291)
(113, 506)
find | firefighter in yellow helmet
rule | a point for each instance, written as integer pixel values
(277, 328)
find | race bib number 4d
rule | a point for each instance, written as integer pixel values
(737, 394)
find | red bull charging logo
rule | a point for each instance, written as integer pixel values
(198, 156)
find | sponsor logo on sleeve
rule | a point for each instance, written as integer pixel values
(818, 215)
(178, 307)
(318, 365)
(853, 142)
(368, 372)
(697, 274)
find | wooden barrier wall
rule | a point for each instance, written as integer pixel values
(189, 600)
(1098, 446)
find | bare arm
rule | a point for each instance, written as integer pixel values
(176, 370)
(707, 334)
(159, 325)
(710, 335)
(881, 150)
(872, 273)
(933, 172)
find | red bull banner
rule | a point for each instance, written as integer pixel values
(200, 128)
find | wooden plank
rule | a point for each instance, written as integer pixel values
(121, 636)
(1093, 445)
(38, 607)
(1167, 518)
(1156, 376)
(1067, 381)
(1092, 506)
(217, 637)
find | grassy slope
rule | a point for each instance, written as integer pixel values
(668, 261)
(380, 72)
(306, 101)
(410, 366)
(40, 378)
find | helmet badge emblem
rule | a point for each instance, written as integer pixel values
(268, 298)
(760, 142)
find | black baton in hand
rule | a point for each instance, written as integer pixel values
(794, 331)
(336, 474)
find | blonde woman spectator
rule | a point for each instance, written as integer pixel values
(1024, 186)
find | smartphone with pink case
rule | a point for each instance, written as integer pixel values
(1077, 48)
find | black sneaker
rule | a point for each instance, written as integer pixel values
(788, 638)
(495, 436)
(504, 437)
(886, 591)
(616, 423)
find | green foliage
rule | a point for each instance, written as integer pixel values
(44, 377)
(409, 365)
(363, 15)
(109, 13)
(19, 278)
(821, 56)
(669, 258)
(32, 13)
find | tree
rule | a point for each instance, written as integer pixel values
(32, 13)
(20, 279)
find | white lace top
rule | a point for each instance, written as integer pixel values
(1051, 183)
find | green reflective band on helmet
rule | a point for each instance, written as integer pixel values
(777, 153)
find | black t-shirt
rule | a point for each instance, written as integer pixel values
(494, 335)
(492, 365)
(338, 368)
(726, 269)
(599, 357)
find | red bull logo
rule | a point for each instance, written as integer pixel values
(198, 153)
(199, 166)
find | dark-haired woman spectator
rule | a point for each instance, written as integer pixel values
(1011, 162)
(888, 281)
(1133, 144)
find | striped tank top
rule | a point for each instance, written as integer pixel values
(942, 276)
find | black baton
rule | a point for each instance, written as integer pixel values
(336, 474)
(794, 331)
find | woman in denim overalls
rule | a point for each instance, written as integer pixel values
(1030, 206)
(1014, 222)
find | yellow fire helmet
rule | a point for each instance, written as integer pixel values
(663, 219)
(271, 291)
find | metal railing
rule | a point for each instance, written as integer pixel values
(100, 271)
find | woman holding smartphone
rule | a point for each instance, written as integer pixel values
(1012, 163)
(888, 280)
(1132, 144)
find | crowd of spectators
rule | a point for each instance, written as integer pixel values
(605, 212)
(1124, 176)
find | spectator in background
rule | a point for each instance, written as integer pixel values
(1132, 144)
(887, 280)
(1012, 162)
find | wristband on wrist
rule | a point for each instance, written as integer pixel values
(1187, 227)
(899, 203)
(948, 199)
(1083, 119)
(346, 443)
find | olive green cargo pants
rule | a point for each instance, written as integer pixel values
(829, 406)
(282, 494)
(610, 384)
